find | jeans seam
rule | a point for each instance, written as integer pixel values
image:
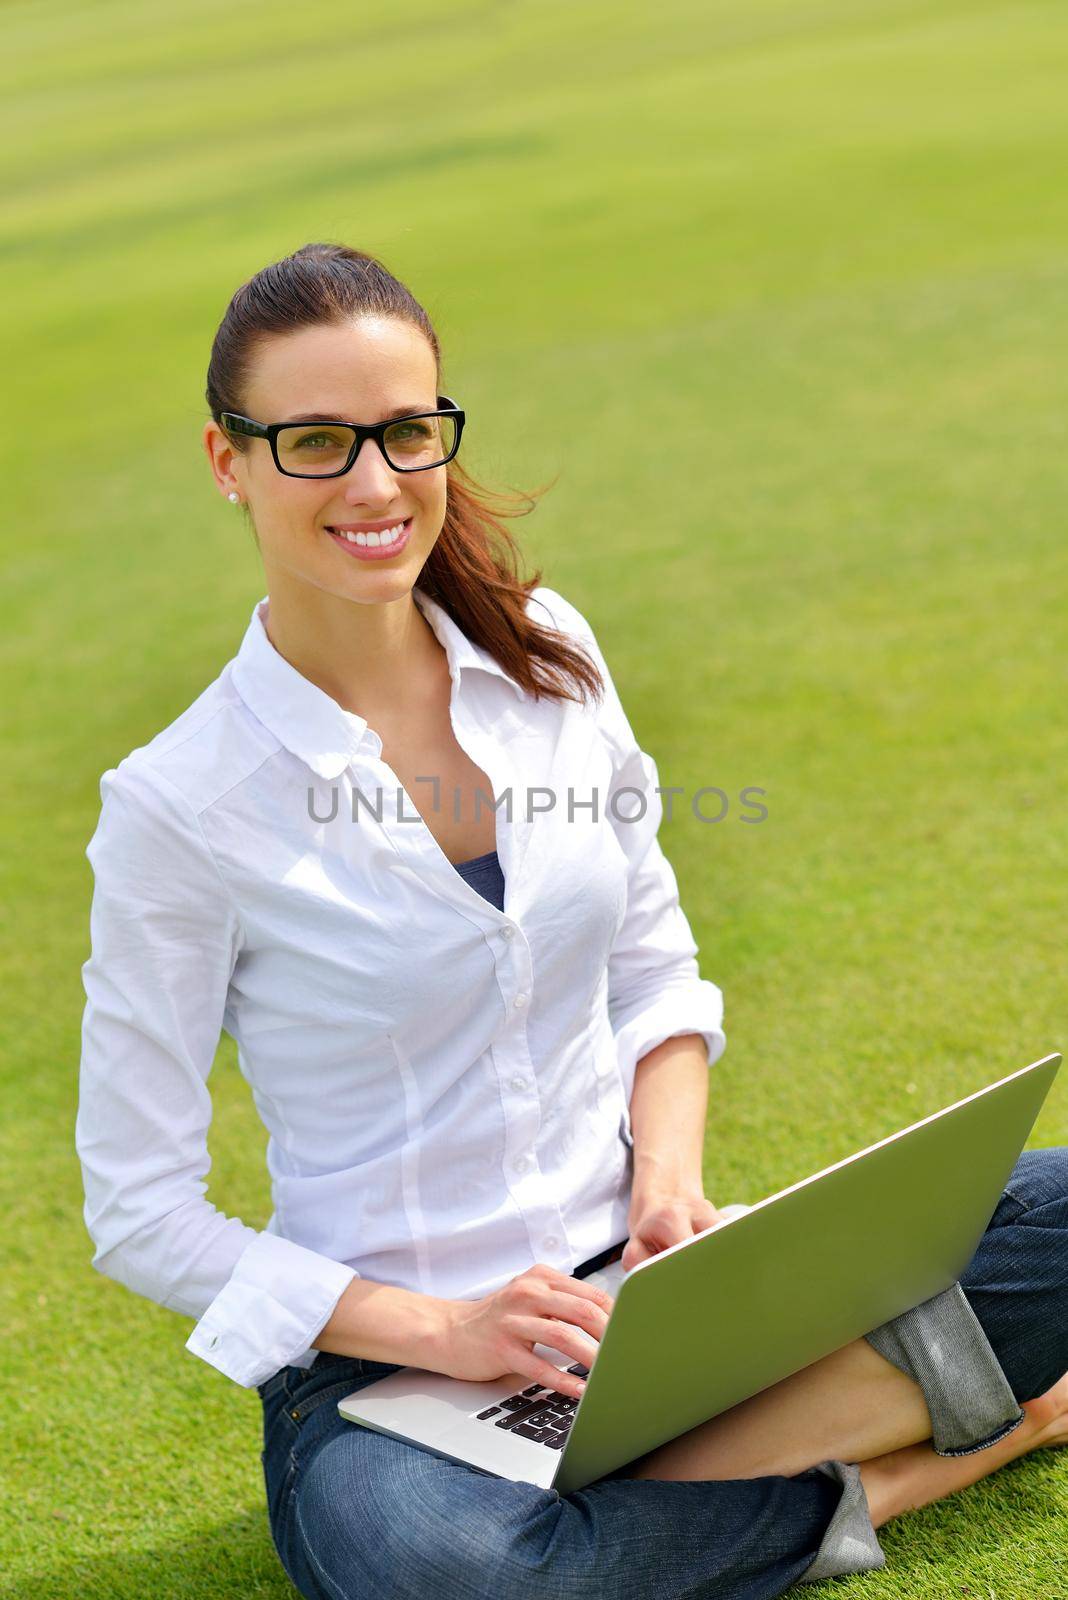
(1024, 1204)
(313, 1561)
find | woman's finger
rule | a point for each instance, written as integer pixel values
(528, 1365)
(562, 1336)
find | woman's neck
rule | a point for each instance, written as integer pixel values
(379, 660)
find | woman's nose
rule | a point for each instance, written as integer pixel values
(370, 477)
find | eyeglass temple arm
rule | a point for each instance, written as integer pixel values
(235, 424)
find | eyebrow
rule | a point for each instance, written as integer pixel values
(390, 416)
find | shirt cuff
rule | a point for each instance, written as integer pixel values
(699, 1010)
(278, 1297)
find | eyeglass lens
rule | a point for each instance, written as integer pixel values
(321, 448)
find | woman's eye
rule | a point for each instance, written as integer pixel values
(315, 441)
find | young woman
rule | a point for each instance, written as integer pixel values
(404, 849)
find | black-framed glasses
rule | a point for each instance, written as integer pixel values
(327, 449)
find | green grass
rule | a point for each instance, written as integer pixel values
(778, 290)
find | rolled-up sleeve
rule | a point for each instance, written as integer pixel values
(655, 989)
(165, 937)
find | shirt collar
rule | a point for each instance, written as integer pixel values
(309, 722)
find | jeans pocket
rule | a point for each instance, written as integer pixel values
(314, 1412)
(303, 1409)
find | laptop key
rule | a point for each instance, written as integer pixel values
(510, 1419)
(579, 1370)
(492, 1412)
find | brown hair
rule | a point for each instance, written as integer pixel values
(473, 569)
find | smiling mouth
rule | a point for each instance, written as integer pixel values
(373, 541)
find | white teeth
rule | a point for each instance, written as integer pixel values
(374, 540)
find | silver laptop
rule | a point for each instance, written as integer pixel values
(732, 1310)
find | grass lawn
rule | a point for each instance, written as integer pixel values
(776, 291)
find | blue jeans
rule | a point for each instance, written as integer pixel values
(355, 1515)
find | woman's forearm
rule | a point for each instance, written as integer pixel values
(381, 1322)
(667, 1117)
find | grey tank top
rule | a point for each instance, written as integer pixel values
(484, 874)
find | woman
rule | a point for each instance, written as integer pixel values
(482, 1073)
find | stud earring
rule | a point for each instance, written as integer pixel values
(233, 497)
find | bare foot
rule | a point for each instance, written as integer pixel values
(1049, 1414)
(914, 1476)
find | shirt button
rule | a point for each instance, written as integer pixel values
(550, 1241)
(519, 1083)
(522, 1163)
(520, 1001)
(508, 932)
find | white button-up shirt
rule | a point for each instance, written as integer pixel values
(445, 1086)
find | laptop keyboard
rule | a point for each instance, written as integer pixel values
(543, 1414)
(537, 1413)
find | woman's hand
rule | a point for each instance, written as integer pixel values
(485, 1339)
(663, 1219)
